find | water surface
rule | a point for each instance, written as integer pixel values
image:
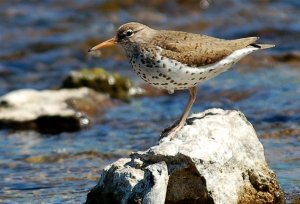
(41, 41)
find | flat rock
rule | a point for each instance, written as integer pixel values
(215, 158)
(50, 111)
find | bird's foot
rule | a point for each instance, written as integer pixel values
(172, 130)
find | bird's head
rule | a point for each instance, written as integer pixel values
(127, 35)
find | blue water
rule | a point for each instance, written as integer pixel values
(42, 41)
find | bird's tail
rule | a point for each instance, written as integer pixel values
(262, 46)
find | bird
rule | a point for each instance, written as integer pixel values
(178, 60)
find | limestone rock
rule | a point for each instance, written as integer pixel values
(215, 158)
(49, 110)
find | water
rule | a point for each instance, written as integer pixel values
(41, 41)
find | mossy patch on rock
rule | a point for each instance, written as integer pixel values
(100, 80)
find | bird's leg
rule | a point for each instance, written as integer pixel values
(173, 129)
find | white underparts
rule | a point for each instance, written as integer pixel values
(172, 75)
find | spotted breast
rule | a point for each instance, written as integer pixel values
(169, 74)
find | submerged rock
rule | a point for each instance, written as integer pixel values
(215, 158)
(49, 111)
(98, 79)
(292, 58)
(114, 84)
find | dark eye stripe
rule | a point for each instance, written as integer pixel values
(129, 33)
(121, 35)
(124, 34)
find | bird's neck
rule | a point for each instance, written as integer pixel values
(132, 50)
(143, 37)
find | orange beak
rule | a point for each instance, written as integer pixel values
(106, 43)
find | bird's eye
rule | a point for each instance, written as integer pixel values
(129, 33)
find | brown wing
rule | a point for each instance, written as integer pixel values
(197, 50)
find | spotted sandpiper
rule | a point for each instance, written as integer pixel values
(176, 60)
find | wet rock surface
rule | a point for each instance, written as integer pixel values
(113, 84)
(291, 58)
(50, 111)
(102, 81)
(215, 158)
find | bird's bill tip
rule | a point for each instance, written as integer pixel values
(104, 44)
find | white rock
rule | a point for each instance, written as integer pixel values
(159, 174)
(27, 105)
(216, 158)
